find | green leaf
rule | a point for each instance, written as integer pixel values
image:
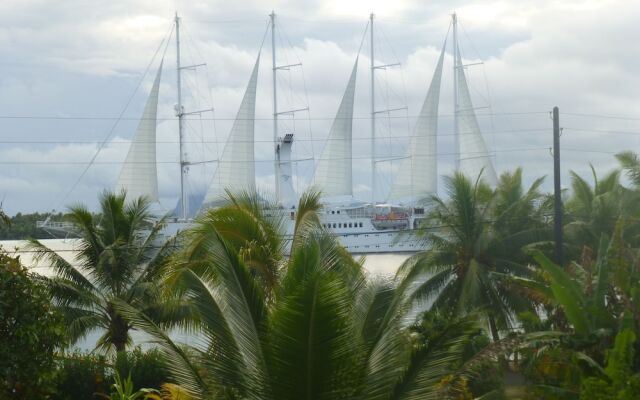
(567, 293)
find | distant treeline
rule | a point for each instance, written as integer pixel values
(23, 226)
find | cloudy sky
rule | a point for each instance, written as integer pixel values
(70, 69)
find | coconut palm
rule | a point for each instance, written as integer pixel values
(630, 163)
(475, 233)
(119, 259)
(320, 331)
(591, 211)
(595, 210)
(4, 218)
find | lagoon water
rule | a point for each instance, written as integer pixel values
(375, 264)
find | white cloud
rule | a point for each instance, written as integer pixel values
(69, 60)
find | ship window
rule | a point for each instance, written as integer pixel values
(360, 224)
(334, 225)
(349, 224)
(338, 211)
(333, 212)
(339, 225)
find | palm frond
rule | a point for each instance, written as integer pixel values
(311, 343)
(631, 164)
(427, 375)
(60, 266)
(179, 362)
(245, 309)
(307, 218)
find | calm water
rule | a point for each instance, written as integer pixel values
(375, 264)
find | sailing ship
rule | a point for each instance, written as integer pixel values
(361, 226)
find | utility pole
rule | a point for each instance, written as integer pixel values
(557, 194)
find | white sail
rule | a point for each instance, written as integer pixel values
(236, 166)
(473, 154)
(333, 171)
(418, 174)
(138, 175)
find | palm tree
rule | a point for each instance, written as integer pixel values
(591, 210)
(474, 234)
(325, 332)
(4, 218)
(119, 259)
(630, 162)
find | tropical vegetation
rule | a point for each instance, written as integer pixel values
(485, 312)
(120, 258)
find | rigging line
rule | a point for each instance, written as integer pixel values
(124, 109)
(287, 83)
(486, 80)
(208, 81)
(210, 181)
(364, 36)
(304, 85)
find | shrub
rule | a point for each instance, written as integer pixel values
(147, 369)
(30, 331)
(81, 376)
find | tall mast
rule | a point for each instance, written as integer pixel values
(180, 115)
(456, 134)
(373, 116)
(276, 163)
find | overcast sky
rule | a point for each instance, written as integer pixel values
(70, 68)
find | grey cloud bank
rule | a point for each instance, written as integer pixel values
(84, 59)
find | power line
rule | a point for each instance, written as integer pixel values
(620, 117)
(244, 161)
(363, 138)
(105, 118)
(615, 132)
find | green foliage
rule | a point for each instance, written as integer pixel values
(146, 369)
(23, 226)
(619, 382)
(319, 331)
(124, 390)
(80, 376)
(482, 233)
(433, 324)
(119, 259)
(30, 331)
